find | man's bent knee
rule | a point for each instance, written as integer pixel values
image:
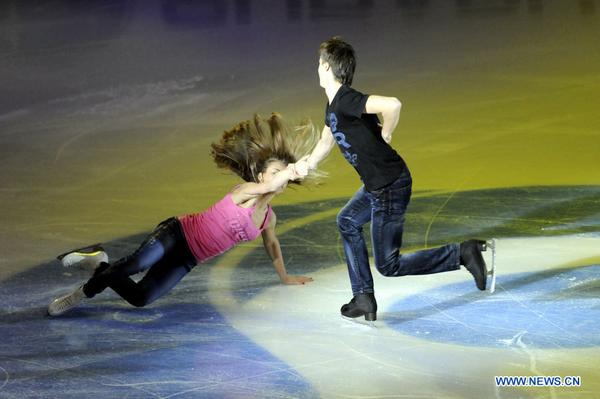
(391, 269)
(345, 224)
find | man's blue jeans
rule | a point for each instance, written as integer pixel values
(385, 210)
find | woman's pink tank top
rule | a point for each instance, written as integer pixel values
(219, 228)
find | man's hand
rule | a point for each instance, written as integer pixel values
(302, 167)
(292, 167)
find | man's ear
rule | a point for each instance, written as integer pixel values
(260, 177)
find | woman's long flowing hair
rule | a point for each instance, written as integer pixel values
(250, 146)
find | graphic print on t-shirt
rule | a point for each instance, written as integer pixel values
(340, 138)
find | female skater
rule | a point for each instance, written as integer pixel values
(264, 158)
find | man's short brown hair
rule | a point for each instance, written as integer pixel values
(340, 57)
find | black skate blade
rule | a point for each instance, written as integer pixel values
(90, 248)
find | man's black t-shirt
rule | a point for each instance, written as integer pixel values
(358, 136)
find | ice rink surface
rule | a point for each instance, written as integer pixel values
(107, 112)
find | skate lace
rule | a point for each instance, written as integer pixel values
(68, 301)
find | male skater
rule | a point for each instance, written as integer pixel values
(351, 121)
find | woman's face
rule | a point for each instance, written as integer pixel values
(271, 171)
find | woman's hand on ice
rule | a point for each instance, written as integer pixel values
(296, 280)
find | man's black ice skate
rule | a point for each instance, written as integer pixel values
(361, 305)
(471, 258)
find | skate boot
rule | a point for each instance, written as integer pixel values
(472, 260)
(87, 258)
(361, 305)
(66, 302)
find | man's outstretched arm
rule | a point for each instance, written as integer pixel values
(320, 152)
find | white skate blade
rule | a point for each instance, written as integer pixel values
(492, 272)
(360, 321)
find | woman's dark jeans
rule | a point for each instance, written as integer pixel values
(385, 210)
(164, 254)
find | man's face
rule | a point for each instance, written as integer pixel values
(323, 71)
